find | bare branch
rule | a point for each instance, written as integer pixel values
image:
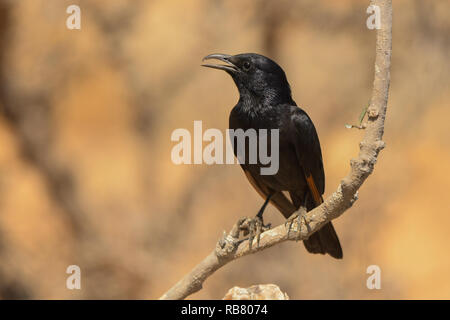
(230, 247)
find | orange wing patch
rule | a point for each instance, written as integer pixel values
(314, 191)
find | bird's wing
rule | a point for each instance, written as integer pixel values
(278, 199)
(307, 147)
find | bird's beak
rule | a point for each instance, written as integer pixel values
(229, 66)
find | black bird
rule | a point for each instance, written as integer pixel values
(265, 102)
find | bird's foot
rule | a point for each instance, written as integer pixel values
(253, 227)
(299, 216)
(229, 242)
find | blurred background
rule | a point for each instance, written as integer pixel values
(86, 117)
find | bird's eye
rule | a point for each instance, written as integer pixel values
(246, 65)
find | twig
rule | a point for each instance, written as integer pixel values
(230, 248)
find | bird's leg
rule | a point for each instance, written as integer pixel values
(254, 227)
(259, 215)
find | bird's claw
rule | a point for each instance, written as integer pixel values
(299, 216)
(253, 227)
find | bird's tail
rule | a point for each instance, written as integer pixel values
(324, 241)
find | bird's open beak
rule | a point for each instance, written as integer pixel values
(229, 66)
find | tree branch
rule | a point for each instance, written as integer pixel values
(230, 247)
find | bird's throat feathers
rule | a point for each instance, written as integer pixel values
(254, 102)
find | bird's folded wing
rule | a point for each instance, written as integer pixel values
(307, 147)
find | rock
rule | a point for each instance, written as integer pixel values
(256, 292)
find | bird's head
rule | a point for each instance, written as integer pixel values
(255, 76)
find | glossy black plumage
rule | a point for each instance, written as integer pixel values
(265, 102)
